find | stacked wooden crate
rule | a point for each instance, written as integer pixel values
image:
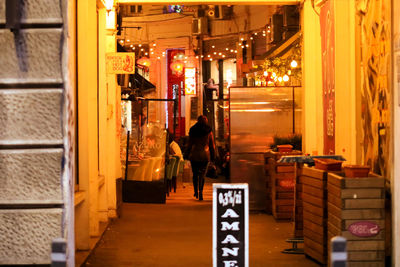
(298, 201)
(315, 213)
(275, 156)
(356, 211)
(282, 189)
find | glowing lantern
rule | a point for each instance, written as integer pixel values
(177, 67)
(144, 61)
(293, 64)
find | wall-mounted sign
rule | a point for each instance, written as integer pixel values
(230, 225)
(120, 63)
(364, 229)
(190, 81)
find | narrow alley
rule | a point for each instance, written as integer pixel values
(179, 233)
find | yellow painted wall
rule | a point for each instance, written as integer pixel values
(231, 2)
(347, 102)
(103, 140)
(312, 81)
(87, 123)
(395, 182)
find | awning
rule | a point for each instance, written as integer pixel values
(282, 49)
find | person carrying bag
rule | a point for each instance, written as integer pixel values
(200, 151)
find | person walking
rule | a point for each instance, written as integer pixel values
(200, 151)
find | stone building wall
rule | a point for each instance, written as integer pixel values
(32, 180)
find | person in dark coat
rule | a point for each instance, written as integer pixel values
(200, 151)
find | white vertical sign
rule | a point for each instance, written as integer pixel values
(230, 225)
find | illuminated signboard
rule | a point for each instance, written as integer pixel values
(120, 63)
(230, 225)
(190, 81)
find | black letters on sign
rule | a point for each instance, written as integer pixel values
(230, 225)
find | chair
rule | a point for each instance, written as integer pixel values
(170, 168)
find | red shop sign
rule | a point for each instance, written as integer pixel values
(364, 229)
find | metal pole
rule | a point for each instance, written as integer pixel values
(338, 252)
(127, 156)
(58, 252)
(174, 118)
(293, 103)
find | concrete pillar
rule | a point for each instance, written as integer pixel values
(312, 81)
(86, 213)
(348, 96)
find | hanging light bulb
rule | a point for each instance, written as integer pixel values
(154, 44)
(280, 79)
(128, 40)
(213, 46)
(202, 56)
(131, 45)
(273, 75)
(140, 45)
(265, 73)
(255, 33)
(293, 64)
(285, 78)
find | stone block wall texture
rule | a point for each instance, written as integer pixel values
(31, 133)
(32, 116)
(25, 235)
(36, 11)
(30, 176)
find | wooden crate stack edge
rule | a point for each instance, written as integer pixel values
(275, 156)
(358, 199)
(282, 190)
(314, 183)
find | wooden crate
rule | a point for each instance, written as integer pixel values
(353, 200)
(298, 202)
(275, 156)
(315, 212)
(282, 189)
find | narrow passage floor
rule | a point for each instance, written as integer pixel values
(179, 233)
